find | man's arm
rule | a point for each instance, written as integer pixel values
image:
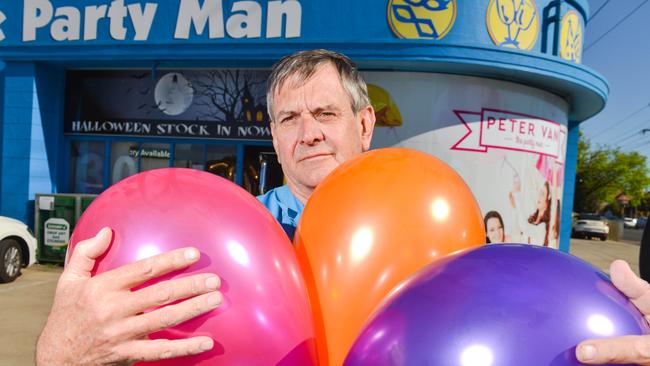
(100, 321)
(625, 349)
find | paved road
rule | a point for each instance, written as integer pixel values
(24, 306)
(602, 253)
(632, 236)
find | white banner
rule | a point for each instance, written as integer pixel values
(512, 131)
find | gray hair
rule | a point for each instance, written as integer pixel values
(302, 65)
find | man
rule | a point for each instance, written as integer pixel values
(321, 117)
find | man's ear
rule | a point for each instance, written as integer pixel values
(275, 142)
(367, 120)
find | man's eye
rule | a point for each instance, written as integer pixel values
(326, 115)
(287, 119)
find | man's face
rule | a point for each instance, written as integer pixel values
(315, 129)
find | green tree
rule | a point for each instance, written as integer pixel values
(604, 172)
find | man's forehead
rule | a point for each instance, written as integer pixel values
(317, 96)
(297, 79)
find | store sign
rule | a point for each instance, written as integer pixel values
(571, 37)
(513, 23)
(421, 20)
(133, 21)
(151, 153)
(3, 17)
(511, 131)
(223, 104)
(174, 129)
(57, 232)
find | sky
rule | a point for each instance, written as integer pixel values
(623, 58)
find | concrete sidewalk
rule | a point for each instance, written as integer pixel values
(25, 303)
(602, 253)
(24, 307)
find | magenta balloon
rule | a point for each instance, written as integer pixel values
(265, 318)
(502, 304)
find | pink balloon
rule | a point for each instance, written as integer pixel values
(265, 318)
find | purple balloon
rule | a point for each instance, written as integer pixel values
(505, 305)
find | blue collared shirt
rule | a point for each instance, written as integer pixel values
(284, 206)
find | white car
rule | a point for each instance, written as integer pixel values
(17, 248)
(629, 222)
(590, 225)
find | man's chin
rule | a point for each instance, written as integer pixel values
(317, 171)
(313, 180)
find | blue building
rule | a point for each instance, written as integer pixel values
(92, 91)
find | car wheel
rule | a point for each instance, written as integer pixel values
(603, 238)
(10, 260)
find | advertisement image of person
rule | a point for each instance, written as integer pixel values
(533, 229)
(554, 234)
(542, 216)
(320, 117)
(494, 230)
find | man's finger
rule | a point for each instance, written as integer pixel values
(631, 285)
(167, 292)
(626, 349)
(160, 349)
(137, 273)
(171, 315)
(85, 253)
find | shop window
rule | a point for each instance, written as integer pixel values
(87, 166)
(262, 171)
(222, 160)
(189, 156)
(124, 160)
(154, 156)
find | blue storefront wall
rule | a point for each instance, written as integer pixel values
(41, 39)
(31, 135)
(2, 98)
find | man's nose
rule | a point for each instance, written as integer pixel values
(310, 130)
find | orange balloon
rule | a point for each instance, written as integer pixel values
(372, 223)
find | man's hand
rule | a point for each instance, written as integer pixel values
(625, 349)
(100, 321)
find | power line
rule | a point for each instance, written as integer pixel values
(598, 11)
(640, 125)
(616, 25)
(638, 128)
(617, 139)
(638, 144)
(642, 143)
(628, 138)
(606, 129)
(634, 142)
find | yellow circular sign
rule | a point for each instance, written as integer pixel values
(513, 23)
(571, 37)
(421, 19)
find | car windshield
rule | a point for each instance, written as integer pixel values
(588, 217)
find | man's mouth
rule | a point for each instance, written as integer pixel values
(314, 156)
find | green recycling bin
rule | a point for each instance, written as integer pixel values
(56, 217)
(86, 200)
